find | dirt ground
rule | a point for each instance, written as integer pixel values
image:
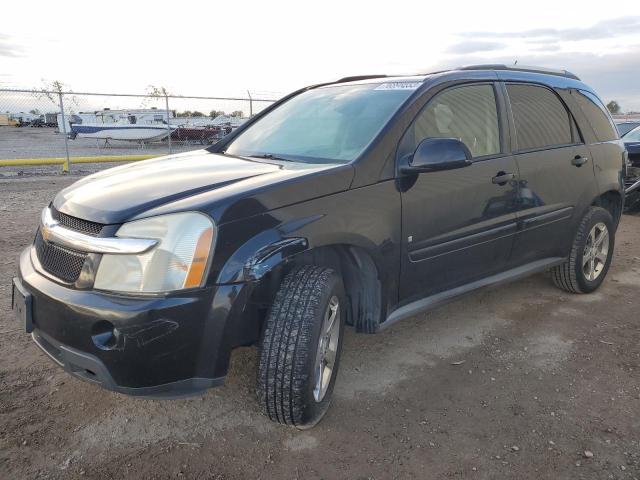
(519, 381)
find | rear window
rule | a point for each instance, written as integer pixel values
(597, 115)
(540, 118)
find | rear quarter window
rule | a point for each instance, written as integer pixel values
(596, 113)
(540, 118)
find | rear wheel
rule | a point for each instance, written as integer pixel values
(300, 347)
(591, 253)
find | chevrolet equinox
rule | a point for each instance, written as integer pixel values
(359, 202)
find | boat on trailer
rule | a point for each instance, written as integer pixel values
(125, 125)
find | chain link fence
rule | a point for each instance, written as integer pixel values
(44, 127)
(49, 127)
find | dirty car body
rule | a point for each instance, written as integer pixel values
(402, 241)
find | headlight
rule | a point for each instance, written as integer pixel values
(179, 261)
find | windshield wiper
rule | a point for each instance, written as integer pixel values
(270, 156)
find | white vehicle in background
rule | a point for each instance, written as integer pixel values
(125, 125)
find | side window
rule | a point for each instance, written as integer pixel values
(541, 120)
(467, 113)
(597, 115)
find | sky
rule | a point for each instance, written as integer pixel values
(273, 47)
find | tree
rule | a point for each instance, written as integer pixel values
(196, 113)
(157, 92)
(157, 96)
(35, 111)
(613, 107)
(237, 113)
(186, 113)
(51, 90)
(215, 113)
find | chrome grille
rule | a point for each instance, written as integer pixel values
(60, 262)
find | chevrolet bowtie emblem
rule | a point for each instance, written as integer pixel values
(45, 232)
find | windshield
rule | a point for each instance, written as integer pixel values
(626, 127)
(633, 135)
(327, 124)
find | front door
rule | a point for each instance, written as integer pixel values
(458, 225)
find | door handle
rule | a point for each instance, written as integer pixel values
(502, 178)
(579, 160)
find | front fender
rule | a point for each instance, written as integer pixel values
(263, 249)
(368, 218)
(271, 248)
(259, 256)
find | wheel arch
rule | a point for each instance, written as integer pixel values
(612, 201)
(359, 273)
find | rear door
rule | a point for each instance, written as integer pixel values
(458, 225)
(556, 172)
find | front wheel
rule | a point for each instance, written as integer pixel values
(300, 347)
(591, 253)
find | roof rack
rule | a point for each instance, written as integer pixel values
(521, 68)
(359, 77)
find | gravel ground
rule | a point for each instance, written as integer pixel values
(518, 381)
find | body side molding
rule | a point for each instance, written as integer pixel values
(441, 298)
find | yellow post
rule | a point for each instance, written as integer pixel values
(19, 162)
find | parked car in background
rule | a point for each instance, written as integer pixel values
(632, 181)
(51, 120)
(626, 126)
(632, 136)
(360, 202)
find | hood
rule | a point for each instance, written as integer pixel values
(197, 180)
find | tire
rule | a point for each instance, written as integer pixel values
(290, 347)
(570, 275)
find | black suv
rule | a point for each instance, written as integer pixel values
(360, 202)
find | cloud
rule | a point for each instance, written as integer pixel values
(614, 76)
(612, 28)
(546, 48)
(473, 46)
(8, 48)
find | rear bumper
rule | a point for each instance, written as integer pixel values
(161, 346)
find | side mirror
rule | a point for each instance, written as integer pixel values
(434, 154)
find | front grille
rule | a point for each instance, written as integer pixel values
(77, 224)
(58, 261)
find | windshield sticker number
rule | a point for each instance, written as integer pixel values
(399, 86)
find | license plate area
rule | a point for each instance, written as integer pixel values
(21, 304)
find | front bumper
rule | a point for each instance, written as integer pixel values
(160, 346)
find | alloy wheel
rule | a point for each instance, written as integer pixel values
(327, 349)
(596, 252)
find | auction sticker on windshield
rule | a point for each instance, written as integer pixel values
(398, 86)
